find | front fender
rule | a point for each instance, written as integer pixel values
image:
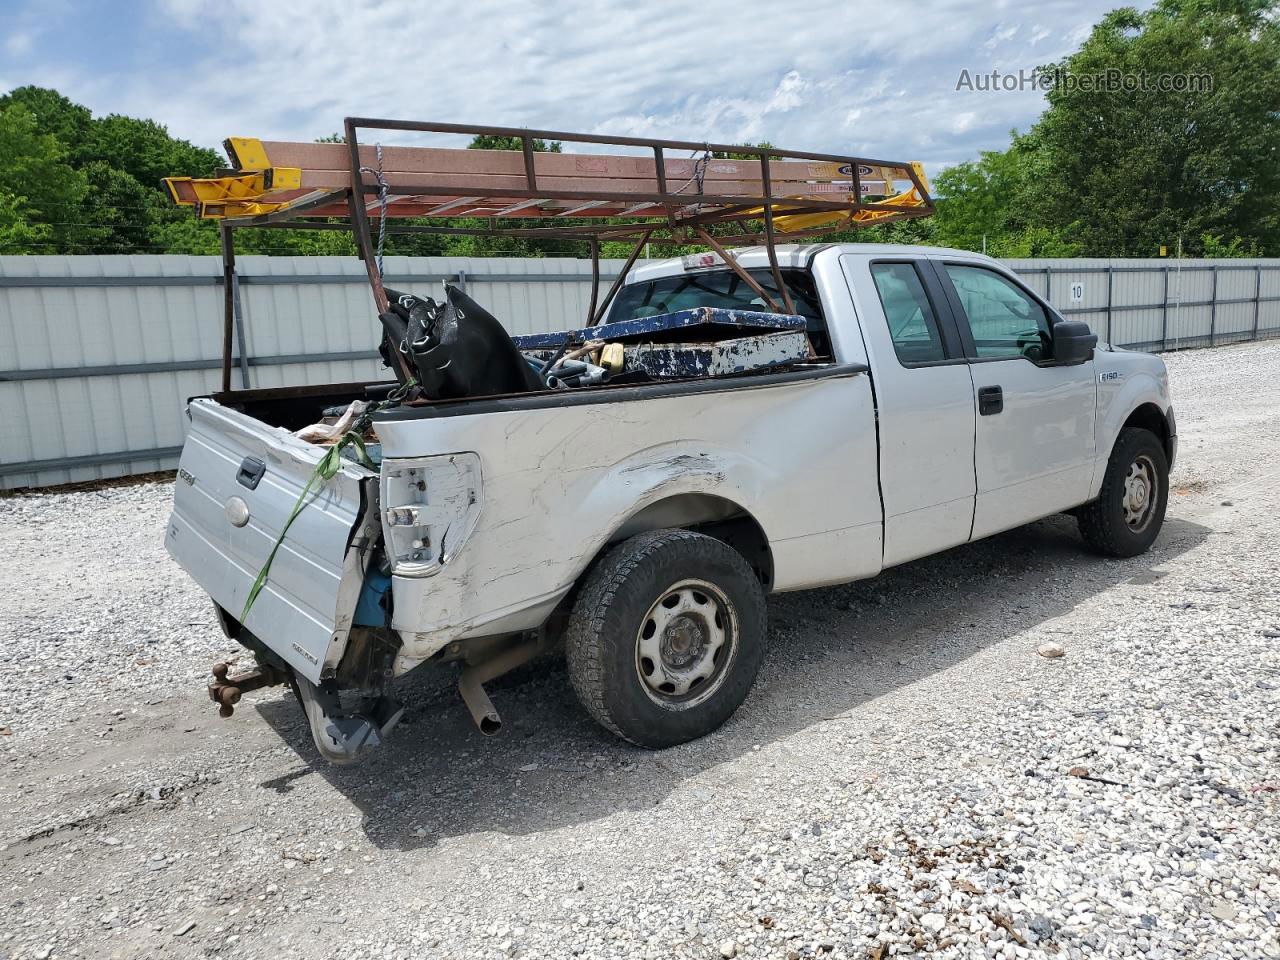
(1123, 386)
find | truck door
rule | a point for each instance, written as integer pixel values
(924, 403)
(1035, 441)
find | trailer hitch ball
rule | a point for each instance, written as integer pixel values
(227, 699)
(226, 690)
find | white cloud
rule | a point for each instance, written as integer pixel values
(17, 43)
(836, 75)
(1000, 36)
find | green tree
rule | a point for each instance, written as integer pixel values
(736, 155)
(144, 150)
(90, 185)
(919, 230)
(185, 234)
(977, 201)
(53, 113)
(297, 243)
(487, 141)
(40, 186)
(1122, 172)
(983, 205)
(1222, 248)
(116, 211)
(18, 234)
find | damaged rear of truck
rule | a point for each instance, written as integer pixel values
(631, 488)
(471, 540)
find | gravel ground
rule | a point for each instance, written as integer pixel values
(909, 776)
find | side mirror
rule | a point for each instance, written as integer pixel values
(1073, 342)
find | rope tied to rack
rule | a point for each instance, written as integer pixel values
(383, 189)
(699, 169)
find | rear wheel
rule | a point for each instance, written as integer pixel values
(1127, 516)
(666, 637)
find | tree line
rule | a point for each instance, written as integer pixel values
(1120, 173)
(1105, 172)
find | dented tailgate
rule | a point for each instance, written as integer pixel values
(238, 482)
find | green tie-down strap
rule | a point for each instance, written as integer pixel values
(325, 470)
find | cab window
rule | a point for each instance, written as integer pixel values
(722, 288)
(717, 288)
(1004, 320)
(912, 323)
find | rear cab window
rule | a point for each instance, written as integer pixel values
(913, 324)
(722, 288)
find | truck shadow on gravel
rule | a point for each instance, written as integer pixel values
(830, 651)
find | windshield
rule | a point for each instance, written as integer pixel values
(719, 288)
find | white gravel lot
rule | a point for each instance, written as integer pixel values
(909, 775)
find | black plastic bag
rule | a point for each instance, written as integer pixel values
(457, 349)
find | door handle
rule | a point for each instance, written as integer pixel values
(990, 401)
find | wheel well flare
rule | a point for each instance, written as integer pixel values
(710, 515)
(1152, 418)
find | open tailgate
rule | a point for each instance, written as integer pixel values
(304, 612)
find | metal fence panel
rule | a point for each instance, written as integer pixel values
(99, 354)
(1268, 323)
(1160, 304)
(96, 313)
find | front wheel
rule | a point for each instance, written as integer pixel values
(666, 637)
(1127, 516)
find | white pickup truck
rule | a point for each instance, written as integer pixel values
(643, 524)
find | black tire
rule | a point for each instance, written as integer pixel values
(1111, 525)
(625, 595)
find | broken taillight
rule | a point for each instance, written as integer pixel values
(430, 506)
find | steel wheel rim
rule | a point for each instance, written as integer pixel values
(1140, 495)
(685, 643)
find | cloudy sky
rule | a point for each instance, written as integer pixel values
(872, 79)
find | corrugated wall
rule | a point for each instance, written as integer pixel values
(1163, 304)
(98, 354)
(88, 345)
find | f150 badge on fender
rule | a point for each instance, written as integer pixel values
(1107, 376)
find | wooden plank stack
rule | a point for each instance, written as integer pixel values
(272, 176)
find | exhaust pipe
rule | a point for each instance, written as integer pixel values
(482, 709)
(473, 678)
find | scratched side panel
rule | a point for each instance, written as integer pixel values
(557, 482)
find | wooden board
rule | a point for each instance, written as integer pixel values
(442, 177)
(287, 179)
(334, 156)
